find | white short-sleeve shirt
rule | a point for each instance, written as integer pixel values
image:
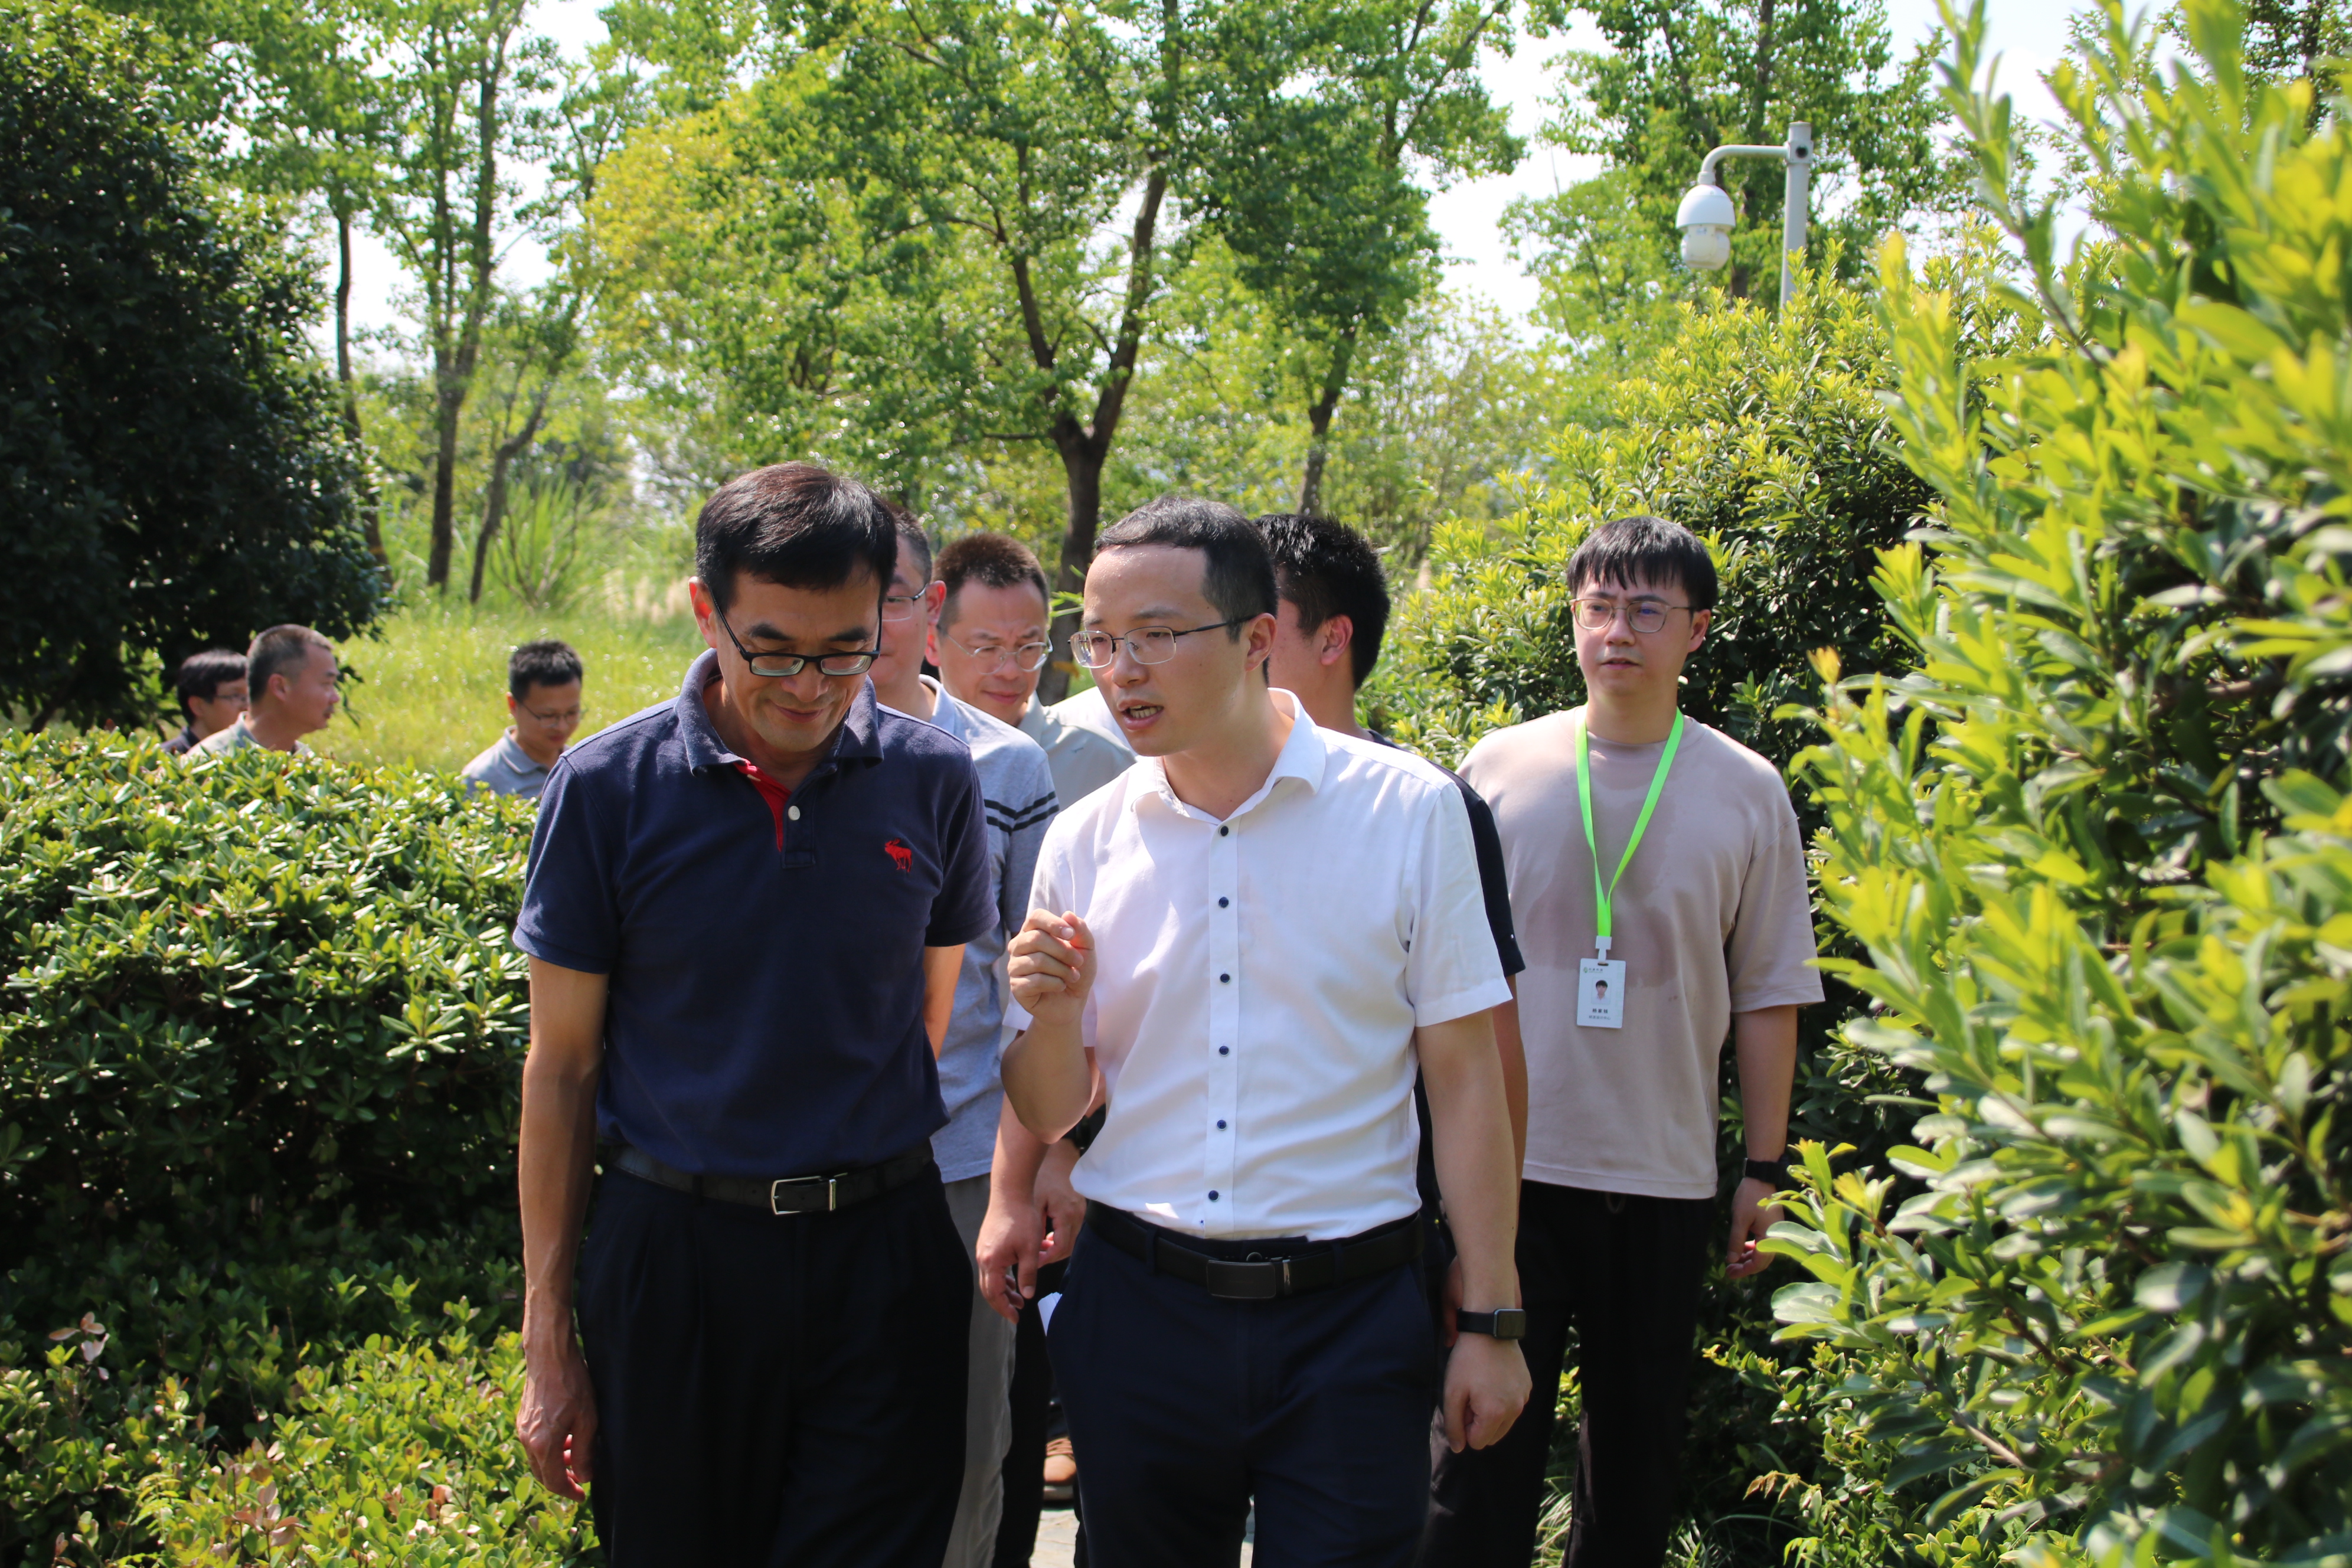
(1258, 982)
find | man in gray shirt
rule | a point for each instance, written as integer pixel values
(1017, 787)
(543, 680)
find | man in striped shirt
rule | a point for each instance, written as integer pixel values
(1016, 787)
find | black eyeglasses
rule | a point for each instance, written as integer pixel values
(777, 666)
(1643, 615)
(1149, 645)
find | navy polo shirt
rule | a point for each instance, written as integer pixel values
(765, 1012)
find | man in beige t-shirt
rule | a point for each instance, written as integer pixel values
(1712, 923)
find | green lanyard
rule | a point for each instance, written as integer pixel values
(1602, 896)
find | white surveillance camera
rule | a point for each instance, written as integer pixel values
(1706, 218)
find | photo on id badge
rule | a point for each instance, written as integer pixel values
(1601, 994)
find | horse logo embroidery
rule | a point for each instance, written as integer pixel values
(900, 855)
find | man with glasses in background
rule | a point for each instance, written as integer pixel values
(1018, 793)
(1658, 882)
(991, 648)
(1253, 936)
(746, 913)
(989, 641)
(543, 681)
(211, 689)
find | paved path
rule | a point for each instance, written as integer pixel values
(1057, 1535)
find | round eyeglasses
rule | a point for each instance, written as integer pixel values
(1145, 645)
(1643, 615)
(780, 665)
(1023, 657)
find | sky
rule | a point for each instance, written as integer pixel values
(2031, 34)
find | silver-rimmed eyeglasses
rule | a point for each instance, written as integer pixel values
(901, 606)
(781, 665)
(1643, 615)
(1024, 656)
(1145, 644)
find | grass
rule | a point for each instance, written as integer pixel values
(431, 691)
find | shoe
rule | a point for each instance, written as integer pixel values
(1061, 1471)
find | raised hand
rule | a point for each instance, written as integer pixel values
(1052, 966)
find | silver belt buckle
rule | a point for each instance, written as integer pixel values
(776, 1194)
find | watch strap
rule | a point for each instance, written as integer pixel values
(1773, 1171)
(1502, 1323)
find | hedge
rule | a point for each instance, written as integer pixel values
(260, 1063)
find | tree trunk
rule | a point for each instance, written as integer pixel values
(494, 498)
(453, 377)
(1082, 469)
(1319, 422)
(448, 401)
(370, 520)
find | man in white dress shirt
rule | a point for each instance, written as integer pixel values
(1253, 936)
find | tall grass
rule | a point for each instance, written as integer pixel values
(431, 692)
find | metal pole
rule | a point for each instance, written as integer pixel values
(1793, 214)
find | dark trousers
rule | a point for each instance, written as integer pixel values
(1626, 1272)
(775, 1390)
(1032, 1396)
(1184, 1408)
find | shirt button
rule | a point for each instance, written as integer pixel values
(1222, 831)
(1225, 979)
(794, 811)
(1224, 1050)
(1213, 1194)
(1222, 902)
(1220, 1126)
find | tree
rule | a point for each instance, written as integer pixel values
(1682, 77)
(172, 461)
(1317, 128)
(460, 89)
(931, 230)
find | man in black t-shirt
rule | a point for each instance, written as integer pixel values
(1334, 608)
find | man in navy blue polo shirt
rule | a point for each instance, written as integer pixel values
(745, 912)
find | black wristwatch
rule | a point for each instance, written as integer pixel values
(1502, 1323)
(1773, 1171)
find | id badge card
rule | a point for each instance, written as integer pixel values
(1600, 993)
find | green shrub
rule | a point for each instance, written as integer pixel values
(2103, 1312)
(1764, 434)
(402, 1452)
(260, 1049)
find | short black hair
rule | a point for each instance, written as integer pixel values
(276, 651)
(794, 524)
(202, 674)
(910, 534)
(548, 663)
(1237, 576)
(1636, 550)
(993, 561)
(1328, 569)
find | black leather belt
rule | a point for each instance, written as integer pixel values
(788, 1194)
(1265, 1270)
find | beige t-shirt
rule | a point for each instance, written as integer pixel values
(1712, 918)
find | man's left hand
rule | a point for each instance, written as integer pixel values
(1487, 1385)
(1753, 1213)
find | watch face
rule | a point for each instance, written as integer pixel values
(1510, 1324)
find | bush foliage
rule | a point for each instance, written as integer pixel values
(1762, 433)
(2095, 848)
(258, 1073)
